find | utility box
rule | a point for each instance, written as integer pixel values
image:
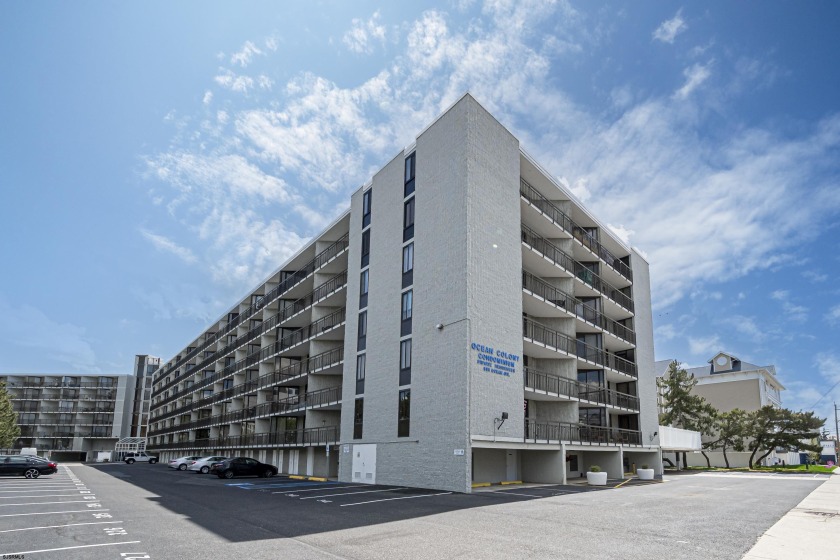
(29, 451)
(104, 457)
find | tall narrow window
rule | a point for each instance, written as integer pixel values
(408, 220)
(366, 248)
(366, 201)
(407, 312)
(362, 340)
(405, 362)
(363, 289)
(408, 265)
(404, 414)
(358, 418)
(409, 174)
(360, 374)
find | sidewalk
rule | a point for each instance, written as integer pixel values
(810, 530)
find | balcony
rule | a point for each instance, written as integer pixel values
(556, 432)
(327, 435)
(543, 341)
(550, 211)
(541, 385)
(568, 266)
(544, 291)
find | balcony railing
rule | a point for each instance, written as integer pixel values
(580, 433)
(557, 216)
(581, 272)
(546, 382)
(564, 343)
(561, 299)
(326, 435)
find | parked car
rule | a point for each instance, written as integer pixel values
(242, 466)
(25, 465)
(141, 457)
(181, 463)
(202, 465)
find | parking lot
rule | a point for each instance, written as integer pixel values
(151, 511)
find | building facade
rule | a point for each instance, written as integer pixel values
(69, 416)
(466, 321)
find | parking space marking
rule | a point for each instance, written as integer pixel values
(48, 512)
(520, 494)
(351, 493)
(57, 526)
(400, 498)
(34, 490)
(68, 548)
(41, 496)
(44, 503)
(317, 489)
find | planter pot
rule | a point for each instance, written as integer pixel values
(645, 474)
(596, 478)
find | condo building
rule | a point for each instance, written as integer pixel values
(467, 320)
(72, 416)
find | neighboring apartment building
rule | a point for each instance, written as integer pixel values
(728, 383)
(467, 320)
(70, 416)
(141, 393)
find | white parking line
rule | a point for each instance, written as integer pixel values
(67, 548)
(518, 494)
(43, 503)
(52, 512)
(400, 498)
(56, 526)
(41, 496)
(314, 489)
(36, 490)
(351, 493)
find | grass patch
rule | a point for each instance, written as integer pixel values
(813, 469)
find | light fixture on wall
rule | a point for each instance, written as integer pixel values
(497, 423)
(653, 435)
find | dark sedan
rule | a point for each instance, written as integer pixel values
(242, 466)
(25, 465)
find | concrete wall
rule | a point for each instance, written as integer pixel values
(489, 465)
(643, 322)
(726, 396)
(543, 466)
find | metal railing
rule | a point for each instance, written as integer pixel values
(287, 284)
(564, 343)
(559, 298)
(580, 433)
(536, 199)
(326, 435)
(579, 271)
(549, 383)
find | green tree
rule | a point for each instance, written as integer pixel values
(731, 432)
(681, 407)
(9, 429)
(769, 427)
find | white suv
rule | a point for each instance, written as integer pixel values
(140, 458)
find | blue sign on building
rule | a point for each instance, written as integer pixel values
(495, 361)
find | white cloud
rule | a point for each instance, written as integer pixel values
(64, 345)
(363, 34)
(271, 43)
(833, 315)
(208, 97)
(815, 276)
(669, 29)
(233, 82)
(704, 346)
(749, 327)
(694, 77)
(665, 332)
(245, 54)
(167, 245)
(794, 312)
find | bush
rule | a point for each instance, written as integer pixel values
(645, 466)
(594, 468)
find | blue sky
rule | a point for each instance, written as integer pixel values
(158, 160)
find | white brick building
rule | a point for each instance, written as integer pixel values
(467, 320)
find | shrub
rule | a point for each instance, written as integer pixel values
(645, 466)
(594, 468)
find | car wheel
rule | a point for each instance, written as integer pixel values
(182, 467)
(268, 473)
(32, 473)
(205, 470)
(228, 474)
(130, 461)
(152, 461)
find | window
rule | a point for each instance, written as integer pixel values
(358, 418)
(405, 362)
(360, 374)
(362, 341)
(366, 248)
(408, 265)
(408, 220)
(363, 289)
(409, 174)
(366, 200)
(404, 413)
(407, 312)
